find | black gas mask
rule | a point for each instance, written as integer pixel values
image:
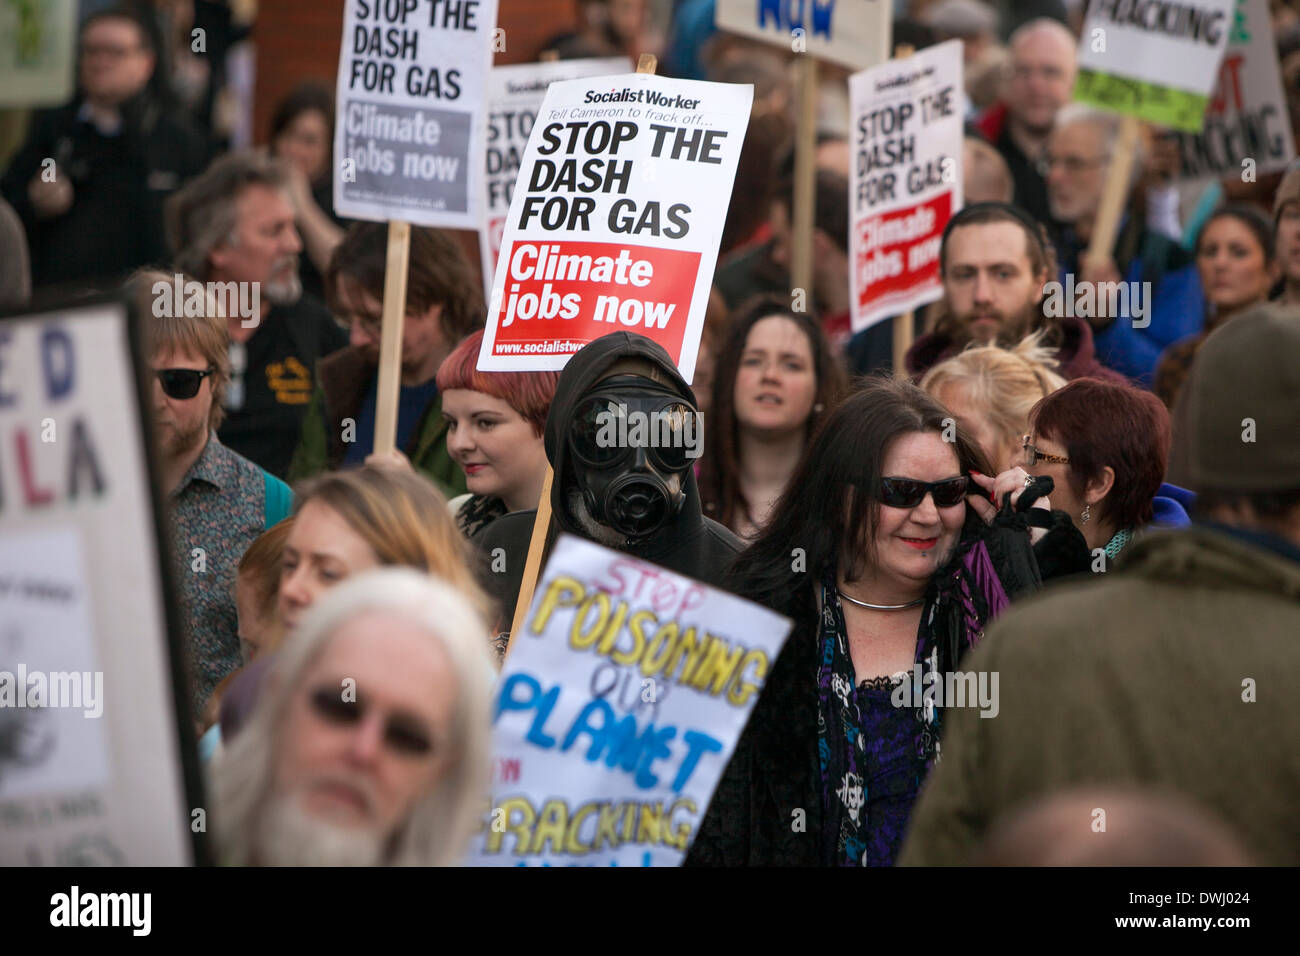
(635, 442)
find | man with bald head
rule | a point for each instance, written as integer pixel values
(1039, 81)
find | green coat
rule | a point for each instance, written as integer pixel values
(342, 382)
(1136, 679)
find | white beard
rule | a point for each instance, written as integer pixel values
(286, 836)
(286, 292)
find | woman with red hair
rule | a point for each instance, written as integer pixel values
(1105, 446)
(494, 432)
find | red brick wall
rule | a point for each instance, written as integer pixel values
(300, 40)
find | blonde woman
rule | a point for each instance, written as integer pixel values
(990, 390)
(353, 521)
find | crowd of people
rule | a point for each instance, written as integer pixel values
(1102, 511)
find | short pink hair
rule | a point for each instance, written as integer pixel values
(528, 393)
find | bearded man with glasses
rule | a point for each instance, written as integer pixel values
(218, 501)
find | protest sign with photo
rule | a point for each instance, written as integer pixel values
(618, 710)
(94, 749)
(514, 96)
(906, 132)
(1247, 118)
(616, 219)
(1153, 59)
(408, 141)
(853, 33)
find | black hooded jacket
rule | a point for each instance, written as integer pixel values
(689, 544)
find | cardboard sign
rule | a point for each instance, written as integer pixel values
(408, 140)
(618, 710)
(853, 33)
(615, 219)
(515, 95)
(37, 52)
(1153, 59)
(907, 179)
(1247, 116)
(93, 733)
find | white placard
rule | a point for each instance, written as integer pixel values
(853, 33)
(408, 140)
(617, 711)
(906, 133)
(616, 219)
(90, 763)
(514, 97)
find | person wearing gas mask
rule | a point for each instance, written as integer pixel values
(623, 436)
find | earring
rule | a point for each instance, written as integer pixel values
(1087, 513)
(818, 408)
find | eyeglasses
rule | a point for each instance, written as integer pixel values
(1033, 456)
(1073, 164)
(908, 493)
(402, 735)
(181, 383)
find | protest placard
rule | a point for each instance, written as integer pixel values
(1153, 59)
(618, 711)
(906, 123)
(616, 219)
(1247, 124)
(853, 33)
(408, 143)
(514, 96)
(96, 755)
(37, 52)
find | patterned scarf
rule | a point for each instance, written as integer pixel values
(963, 596)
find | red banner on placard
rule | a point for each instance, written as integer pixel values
(560, 295)
(898, 252)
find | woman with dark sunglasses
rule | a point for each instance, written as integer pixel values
(880, 553)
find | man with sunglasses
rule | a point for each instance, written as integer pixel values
(623, 436)
(218, 501)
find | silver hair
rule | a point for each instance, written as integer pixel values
(1107, 126)
(202, 214)
(437, 829)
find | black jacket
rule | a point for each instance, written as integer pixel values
(119, 182)
(690, 544)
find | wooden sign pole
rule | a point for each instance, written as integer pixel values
(903, 324)
(804, 200)
(1111, 207)
(390, 342)
(542, 523)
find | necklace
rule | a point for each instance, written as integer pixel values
(878, 607)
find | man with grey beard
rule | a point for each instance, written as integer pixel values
(369, 745)
(234, 226)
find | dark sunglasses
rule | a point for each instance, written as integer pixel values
(598, 431)
(908, 493)
(181, 383)
(401, 734)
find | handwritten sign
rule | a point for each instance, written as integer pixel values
(618, 710)
(1247, 116)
